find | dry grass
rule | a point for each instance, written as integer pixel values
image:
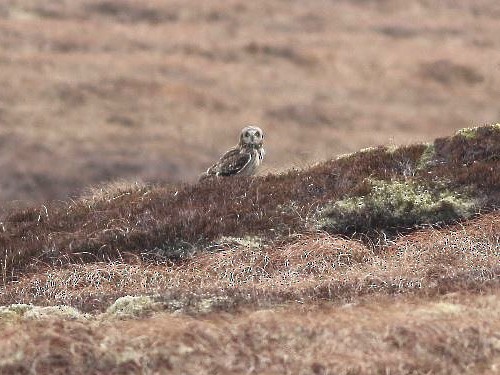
(244, 281)
(309, 268)
(456, 334)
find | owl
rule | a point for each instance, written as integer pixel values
(243, 159)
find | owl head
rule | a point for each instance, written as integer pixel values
(251, 136)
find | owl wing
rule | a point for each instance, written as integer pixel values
(232, 162)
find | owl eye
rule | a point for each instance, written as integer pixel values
(247, 134)
(257, 134)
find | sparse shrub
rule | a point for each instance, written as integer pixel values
(397, 31)
(467, 147)
(131, 12)
(305, 114)
(449, 73)
(278, 51)
(395, 204)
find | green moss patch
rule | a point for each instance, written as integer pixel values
(468, 133)
(395, 204)
(427, 158)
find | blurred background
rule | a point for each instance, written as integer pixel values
(99, 90)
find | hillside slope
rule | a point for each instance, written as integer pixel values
(381, 189)
(97, 90)
(390, 256)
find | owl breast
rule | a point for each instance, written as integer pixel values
(253, 164)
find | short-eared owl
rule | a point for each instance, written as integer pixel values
(243, 159)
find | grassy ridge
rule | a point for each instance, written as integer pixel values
(169, 221)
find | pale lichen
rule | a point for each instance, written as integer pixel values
(55, 312)
(132, 306)
(440, 308)
(14, 311)
(251, 242)
(31, 312)
(207, 305)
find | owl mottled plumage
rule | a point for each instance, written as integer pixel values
(243, 159)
